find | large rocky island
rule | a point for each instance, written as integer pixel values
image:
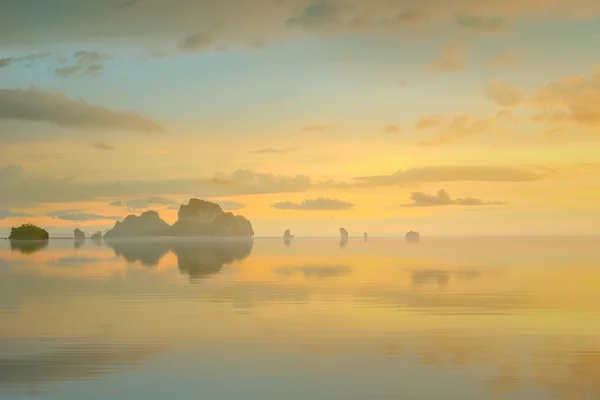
(198, 218)
(28, 232)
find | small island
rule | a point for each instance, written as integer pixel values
(78, 234)
(28, 232)
(343, 233)
(412, 237)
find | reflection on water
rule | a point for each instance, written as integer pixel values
(196, 258)
(28, 246)
(482, 318)
(78, 242)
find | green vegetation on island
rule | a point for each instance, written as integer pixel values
(28, 232)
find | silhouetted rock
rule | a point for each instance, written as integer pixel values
(28, 232)
(78, 234)
(97, 238)
(366, 236)
(287, 234)
(412, 237)
(343, 233)
(28, 246)
(148, 223)
(205, 219)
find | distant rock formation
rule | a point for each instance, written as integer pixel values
(412, 237)
(28, 232)
(343, 233)
(205, 219)
(97, 238)
(366, 236)
(198, 218)
(287, 237)
(147, 224)
(78, 234)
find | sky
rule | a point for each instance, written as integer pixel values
(449, 117)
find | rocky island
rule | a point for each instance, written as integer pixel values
(198, 218)
(78, 234)
(412, 237)
(147, 224)
(343, 233)
(28, 232)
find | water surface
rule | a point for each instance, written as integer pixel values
(478, 318)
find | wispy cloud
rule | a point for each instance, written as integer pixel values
(84, 63)
(12, 214)
(80, 215)
(508, 59)
(320, 203)
(268, 150)
(442, 198)
(40, 106)
(450, 174)
(452, 58)
(504, 94)
(482, 24)
(103, 146)
(391, 129)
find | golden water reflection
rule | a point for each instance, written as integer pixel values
(484, 318)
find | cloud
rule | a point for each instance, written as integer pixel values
(320, 203)
(429, 121)
(12, 214)
(131, 22)
(453, 57)
(574, 98)
(39, 106)
(80, 215)
(27, 60)
(450, 174)
(317, 128)
(504, 94)
(85, 63)
(5, 62)
(507, 59)
(392, 129)
(116, 203)
(196, 42)
(482, 24)
(19, 188)
(464, 126)
(442, 198)
(268, 150)
(148, 202)
(103, 146)
(320, 15)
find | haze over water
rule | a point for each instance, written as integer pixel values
(448, 318)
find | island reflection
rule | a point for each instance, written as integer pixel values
(196, 258)
(28, 246)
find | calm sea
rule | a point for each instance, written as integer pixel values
(460, 318)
